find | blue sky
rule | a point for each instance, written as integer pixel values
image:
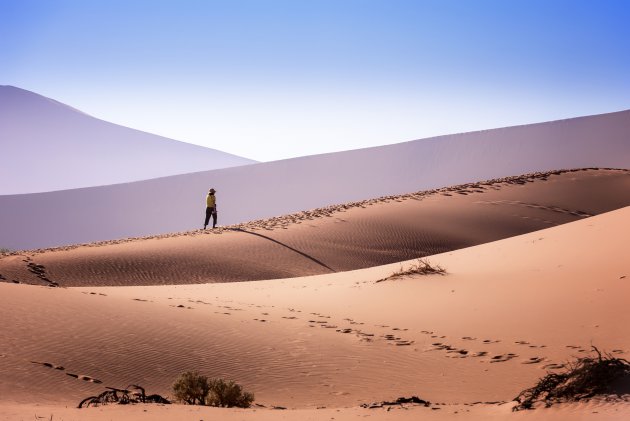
(276, 79)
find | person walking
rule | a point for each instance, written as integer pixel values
(211, 209)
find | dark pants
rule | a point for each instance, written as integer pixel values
(210, 212)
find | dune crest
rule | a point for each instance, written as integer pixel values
(264, 190)
(333, 239)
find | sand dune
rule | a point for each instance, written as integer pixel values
(50, 146)
(506, 312)
(276, 188)
(334, 239)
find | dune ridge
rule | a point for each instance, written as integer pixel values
(264, 190)
(333, 239)
(292, 218)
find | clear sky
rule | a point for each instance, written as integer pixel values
(271, 79)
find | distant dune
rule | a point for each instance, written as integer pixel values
(264, 190)
(47, 146)
(334, 239)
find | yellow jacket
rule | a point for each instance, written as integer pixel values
(211, 201)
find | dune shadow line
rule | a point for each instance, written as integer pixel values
(287, 246)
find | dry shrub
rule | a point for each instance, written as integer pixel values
(583, 379)
(130, 395)
(420, 267)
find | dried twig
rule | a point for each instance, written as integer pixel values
(421, 267)
(585, 378)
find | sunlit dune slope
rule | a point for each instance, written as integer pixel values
(504, 313)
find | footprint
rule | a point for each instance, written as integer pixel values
(502, 358)
(49, 365)
(534, 360)
(553, 366)
(88, 379)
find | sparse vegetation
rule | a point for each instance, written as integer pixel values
(195, 389)
(414, 400)
(4, 250)
(191, 388)
(583, 379)
(132, 394)
(420, 267)
(228, 394)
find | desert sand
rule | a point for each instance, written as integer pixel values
(322, 342)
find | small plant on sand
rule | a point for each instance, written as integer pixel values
(228, 394)
(420, 267)
(191, 388)
(584, 378)
(195, 389)
(130, 395)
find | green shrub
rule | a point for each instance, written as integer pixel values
(228, 394)
(194, 389)
(191, 388)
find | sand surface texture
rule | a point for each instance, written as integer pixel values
(481, 333)
(505, 313)
(333, 239)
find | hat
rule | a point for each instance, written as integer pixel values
(212, 191)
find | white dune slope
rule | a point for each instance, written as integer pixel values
(47, 146)
(262, 190)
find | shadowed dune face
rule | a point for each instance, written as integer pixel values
(334, 239)
(54, 147)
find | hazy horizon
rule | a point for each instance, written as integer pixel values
(279, 79)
